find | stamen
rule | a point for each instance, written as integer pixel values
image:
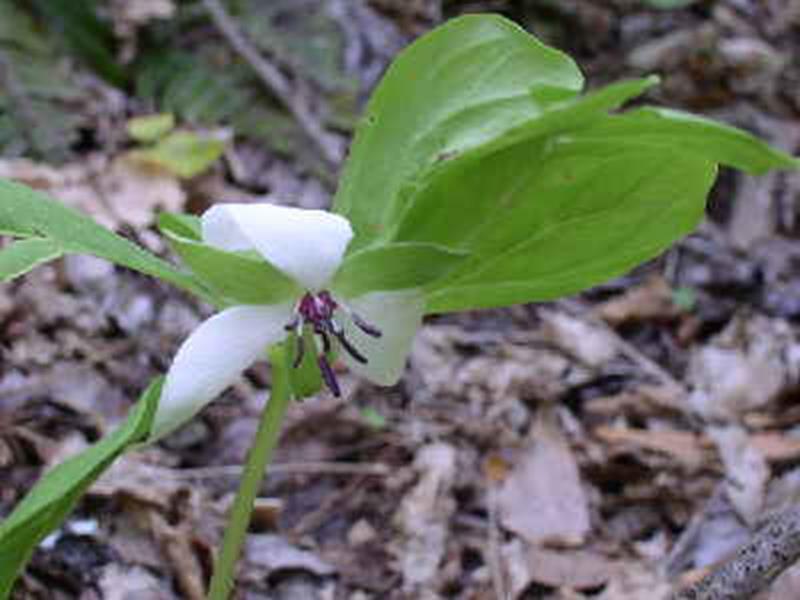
(300, 351)
(326, 341)
(351, 350)
(328, 376)
(317, 311)
(365, 327)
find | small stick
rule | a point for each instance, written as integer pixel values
(774, 547)
(275, 81)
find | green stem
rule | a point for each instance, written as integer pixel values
(254, 471)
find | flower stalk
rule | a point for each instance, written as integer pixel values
(258, 457)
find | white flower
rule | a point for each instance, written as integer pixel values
(373, 331)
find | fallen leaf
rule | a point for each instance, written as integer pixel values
(542, 500)
(746, 470)
(592, 345)
(424, 515)
(653, 299)
(684, 446)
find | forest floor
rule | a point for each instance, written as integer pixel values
(612, 445)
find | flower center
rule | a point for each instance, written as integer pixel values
(318, 312)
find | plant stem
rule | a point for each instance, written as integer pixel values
(257, 459)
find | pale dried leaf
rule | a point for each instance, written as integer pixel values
(650, 300)
(424, 515)
(543, 500)
(592, 345)
(744, 368)
(266, 553)
(746, 470)
(131, 583)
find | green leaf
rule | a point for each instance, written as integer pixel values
(183, 153)
(237, 277)
(705, 138)
(56, 493)
(464, 83)
(22, 256)
(396, 266)
(436, 214)
(182, 225)
(149, 128)
(568, 216)
(27, 213)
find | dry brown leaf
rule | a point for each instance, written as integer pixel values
(636, 581)
(113, 192)
(746, 470)
(745, 367)
(119, 582)
(424, 515)
(684, 446)
(592, 345)
(542, 500)
(574, 568)
(776, 446)
(266, 553)
(650, 300)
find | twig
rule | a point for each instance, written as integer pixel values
(774, 547)
(321, 467)
(275, 81)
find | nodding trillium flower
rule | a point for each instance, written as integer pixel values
(371, 332)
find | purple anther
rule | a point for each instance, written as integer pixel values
(328, 376)
(318, 312)
(351, 350)
(326, 341)
(365, 327)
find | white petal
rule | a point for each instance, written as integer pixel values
(398, 315)
(307, 245)
(213, 357)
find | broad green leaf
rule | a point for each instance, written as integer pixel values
(707, 139)
(396, 266)
(23, 255)
(464, 83)
(56, 493)
(578, 214)
(183, 153)
(27, 213)
(437, 214)
(237, 277)
(149, 128)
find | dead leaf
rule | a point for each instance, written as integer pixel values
(119, 582)
(424, 515)
(684, 446)
(542, 500)
(746, 471)
(592, 345)
(266, 553)
(744, 368)
(113, 192)
(650, 300)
